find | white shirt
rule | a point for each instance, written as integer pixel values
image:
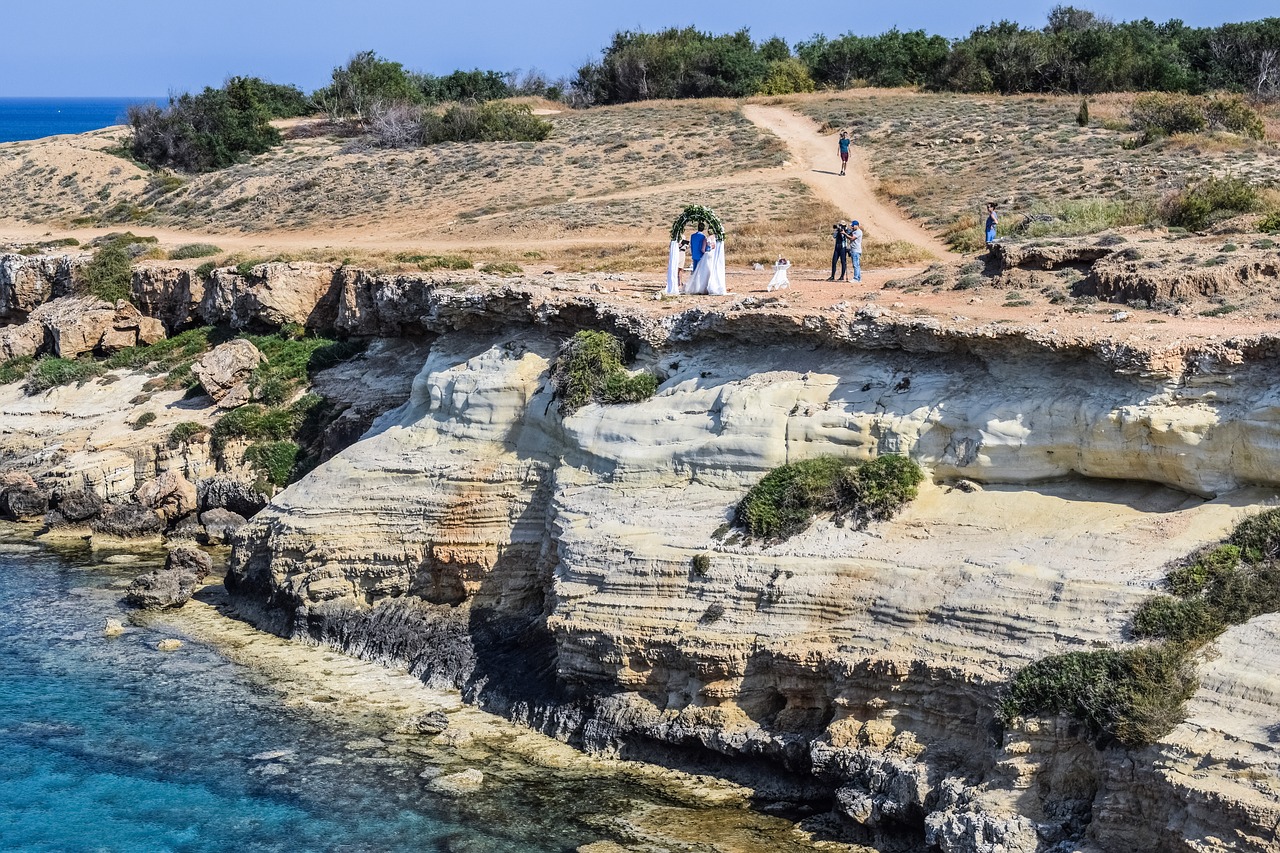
(857, 240)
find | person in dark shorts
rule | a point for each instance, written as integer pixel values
(841, 236)
(844, 150)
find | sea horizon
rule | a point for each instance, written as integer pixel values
(28, 117)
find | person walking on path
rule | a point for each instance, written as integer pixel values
(698, 245)
(841, 252)
(855, 249)
(844, 150)
(992, 219)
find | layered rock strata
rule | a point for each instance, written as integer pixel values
(544, 565)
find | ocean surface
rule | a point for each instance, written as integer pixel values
(33, 118)
(111, 745)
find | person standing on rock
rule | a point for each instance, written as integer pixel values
(698, 245)
(855, 249)
(844, 150)
(840, 252)
(992, 219)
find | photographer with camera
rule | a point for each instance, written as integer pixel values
(840, 252)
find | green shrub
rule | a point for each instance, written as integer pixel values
(786, 76)
(1213, 198)
(1232, 114)
(51, 372)
(1159, 114)
(167, 354)
(786, 499)
(205, 270)
(1082, 115)
(185, 432)
(199, 133)
(194, 250)
(1180, 620)
(1258, 536)
(1270, 224)
(109, 274)
(144, 419)
(253, 423)
(877, 490)
(495, 121)
(290, 361)
(1191, 578)
(427, 263)
(1135, 696)
(275, 460)
(502, 268)
(15, 368)
(367, 79)
(589, 369)
(701, 564)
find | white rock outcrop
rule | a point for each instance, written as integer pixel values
(535, 561)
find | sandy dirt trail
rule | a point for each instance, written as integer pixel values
(816, 161)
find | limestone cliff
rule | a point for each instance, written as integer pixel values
(544, 565)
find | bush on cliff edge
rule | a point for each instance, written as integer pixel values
(589, 369)
(786, 500)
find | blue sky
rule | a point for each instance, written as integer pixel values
(145, 47)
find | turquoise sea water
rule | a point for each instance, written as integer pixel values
(111, 745)
(33, 118)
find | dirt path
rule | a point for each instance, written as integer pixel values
(816, 162)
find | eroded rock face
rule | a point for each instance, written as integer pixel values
(543, 565)
(21, 341)
(27, 282)
(224, 371)
(272, 295)
(74, 325)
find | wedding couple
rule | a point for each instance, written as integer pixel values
(707, 273)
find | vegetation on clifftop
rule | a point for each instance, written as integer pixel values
(787, 498)
(1137, 695)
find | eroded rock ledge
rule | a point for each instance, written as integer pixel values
(544, 564)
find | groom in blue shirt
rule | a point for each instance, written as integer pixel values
(698, 245)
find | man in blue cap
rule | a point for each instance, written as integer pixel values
(855, 249)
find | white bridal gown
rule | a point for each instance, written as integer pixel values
(709, 276)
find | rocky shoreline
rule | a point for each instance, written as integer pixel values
(542, 564)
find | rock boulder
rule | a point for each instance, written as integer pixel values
(75, 325)
(173, 585)
(223, 492)
(171, 495)
(128, 521)
(220, 525)
(23, 502)
(224, 372)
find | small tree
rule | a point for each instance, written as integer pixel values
(367, 79)
(1082, 117)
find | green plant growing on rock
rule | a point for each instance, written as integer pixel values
(786, 499)
(589, 369)
(1136, 695)
(15, 368)
(274, 460)
(700, 564)
(185, 432)
(144, 419)
(109, 274)
(51, 372)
